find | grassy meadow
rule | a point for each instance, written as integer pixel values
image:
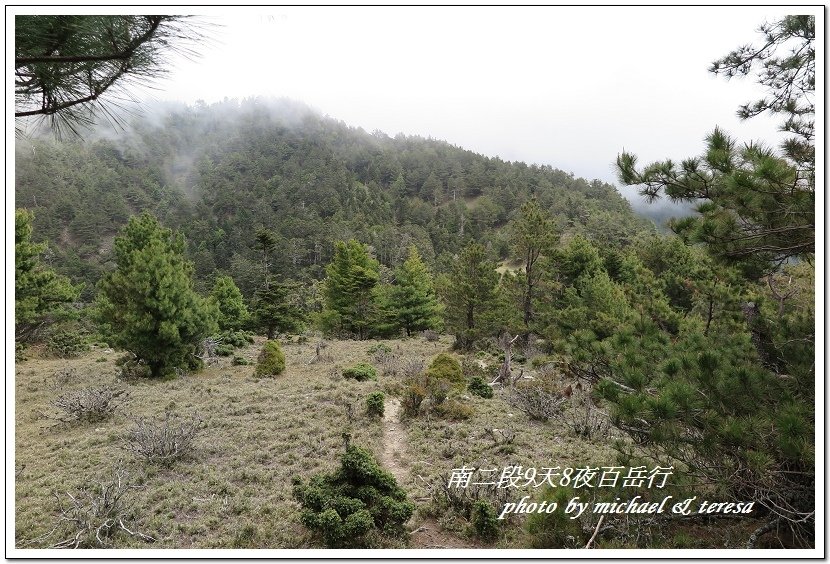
(235, 489)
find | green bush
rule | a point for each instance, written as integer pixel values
(360, 498)
(557, 529)
(480, 388)
(361, 372)
(485, 522)
(374, 404)
(447, 368)
(67, 344)
(20, 351)
(380, 348)
(271, 361)
(224, 350)
(240, 361)
(236, 339)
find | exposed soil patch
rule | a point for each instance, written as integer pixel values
(430, 535)
(394, 441)
(394, 456)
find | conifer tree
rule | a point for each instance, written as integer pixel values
(757, 205)
(273, 312)
(67, 66)
(413, 299)
(148, 301)
(533, 237)
(470, 295)
(38, 290)
(226, 299)
(730, 398)
(266, 242)
(350, 279)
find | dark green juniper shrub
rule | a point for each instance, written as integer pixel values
(224, 350)
(360, 499)
(236, 339)
(67, 344)
(557, 529)
(480, 388)
(485, 522)
(374, 404)
(361, 372)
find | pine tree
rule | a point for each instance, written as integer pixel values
(273, 312)
(533, 237)
(350, 279)
(266, 242)
(432, 189)
(732, 398)
(413, 300)
(470, 295)
(38, 290)
(226, 299)
(758, 206)
(66, 66)
(148, 301)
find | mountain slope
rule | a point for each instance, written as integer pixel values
(220, 172)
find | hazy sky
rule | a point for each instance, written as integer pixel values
(569, 87)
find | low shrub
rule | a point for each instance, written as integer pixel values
(374, 404)
(240, 361)
(345, 508)
(449, 498)
(537, 401)
(67, 344)
(90, 404)
(361, 372)
(63, 376)
(20, 352)
(542, 360)
(130, 368)
(412, 368)
(439, 391)
(414, 393)
(224, 350)
(454, 410)
(430, 335)
(236, 339)
(379, 349)
(96, 512)
(485, 521)
(480, 388)
(446, 367)
(556, 529)
(163, 441)
(271, 360)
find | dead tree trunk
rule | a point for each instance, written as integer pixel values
(505, 374)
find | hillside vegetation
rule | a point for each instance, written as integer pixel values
(219, 172)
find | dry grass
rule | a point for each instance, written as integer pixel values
(234, 490)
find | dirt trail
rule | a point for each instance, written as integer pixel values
(394, 441)
(428, 534)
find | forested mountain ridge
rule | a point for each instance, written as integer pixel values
(219, 172)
